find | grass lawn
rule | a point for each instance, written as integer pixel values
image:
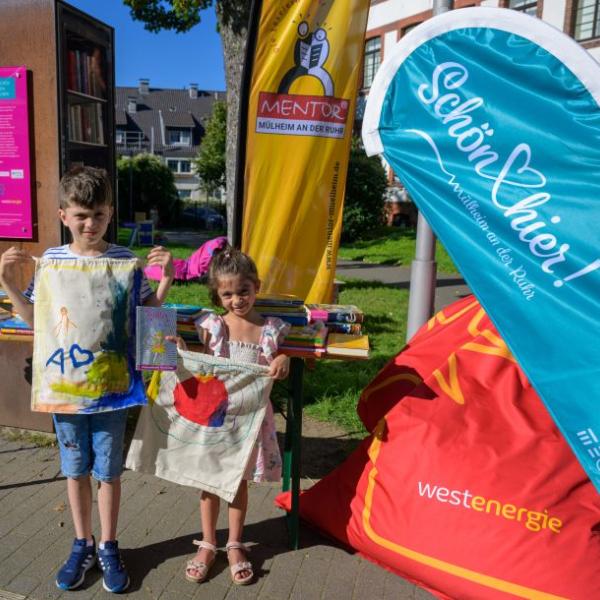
(393, 246)
(332, 387)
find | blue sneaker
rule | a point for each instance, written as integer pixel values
(72, 574)
(115, 577)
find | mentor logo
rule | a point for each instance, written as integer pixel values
(298, 114)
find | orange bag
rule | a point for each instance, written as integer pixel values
(465, 485)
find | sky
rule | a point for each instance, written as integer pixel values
(169, 60)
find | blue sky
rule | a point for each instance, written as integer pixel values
(169, 60)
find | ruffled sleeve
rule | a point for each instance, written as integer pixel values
(273, 334)
(215, 326)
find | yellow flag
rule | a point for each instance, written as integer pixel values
(302, 98)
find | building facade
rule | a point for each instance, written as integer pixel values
(168, 123)
(390, 20)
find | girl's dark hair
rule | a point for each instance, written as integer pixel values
(229, 261)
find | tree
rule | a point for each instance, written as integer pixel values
(232, 18)
(146, 183)
(364, 200)
(210, 162)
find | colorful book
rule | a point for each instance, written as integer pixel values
(341, 344)
(335, 313)
(313, 335)
(14, 324)
(153, 352)
(354, 328)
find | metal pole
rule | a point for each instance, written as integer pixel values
(423, 268)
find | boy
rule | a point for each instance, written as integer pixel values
(89, 443)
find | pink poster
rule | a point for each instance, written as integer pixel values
(15, 172)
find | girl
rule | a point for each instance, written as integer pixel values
(243, 335)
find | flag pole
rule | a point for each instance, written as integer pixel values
(423, 267)
(240, 156)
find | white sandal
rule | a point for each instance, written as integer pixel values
(240, 566)
(199, 566)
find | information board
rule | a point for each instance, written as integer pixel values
(15, 167)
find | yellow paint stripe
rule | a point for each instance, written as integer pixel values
(441, 565)
(403, 377)
(480, 348)
(451, 388)
(442, 319)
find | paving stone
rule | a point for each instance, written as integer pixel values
(158, 521)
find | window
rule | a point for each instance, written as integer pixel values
(372, 60)
(120, 136)
(184, 194)
(525, 6)
(179, 137)
(180, 166)
(587, 20)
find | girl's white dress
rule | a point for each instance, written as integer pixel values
(265, 462)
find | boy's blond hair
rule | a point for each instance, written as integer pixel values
(86, 187)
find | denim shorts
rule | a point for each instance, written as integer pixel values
(91, 443)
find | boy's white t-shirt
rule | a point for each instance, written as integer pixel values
(113, 251)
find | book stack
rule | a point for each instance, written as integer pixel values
(14, 328)
(344, 322)
(309, 339)
(186, 315)
(288, 308)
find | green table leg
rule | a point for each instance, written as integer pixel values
(292, 448)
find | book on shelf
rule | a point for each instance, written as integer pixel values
(152, 351)
(86, 123)
(336, 313)
(85, 72)
(342, 344)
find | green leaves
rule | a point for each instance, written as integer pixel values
(179, 15)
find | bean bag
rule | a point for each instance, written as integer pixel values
(193, 267)
(464, 486)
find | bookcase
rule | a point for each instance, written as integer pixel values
(70, 61)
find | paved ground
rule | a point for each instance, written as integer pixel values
(158, 522)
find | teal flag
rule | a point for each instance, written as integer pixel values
(491, 119)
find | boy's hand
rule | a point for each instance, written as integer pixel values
(280, 367)
(11, 257)
(163, 258)
(177, 340)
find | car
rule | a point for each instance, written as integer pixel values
(203, 217)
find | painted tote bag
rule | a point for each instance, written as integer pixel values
(84, 335)
(202, 428)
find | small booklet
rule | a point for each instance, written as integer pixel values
(152, 351)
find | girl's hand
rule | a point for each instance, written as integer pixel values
(163, 258)
(8, 260)
(280, 367)
(181, 345)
